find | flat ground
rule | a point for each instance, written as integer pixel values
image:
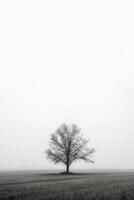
(81, 186)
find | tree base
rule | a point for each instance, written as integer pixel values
(65, 173)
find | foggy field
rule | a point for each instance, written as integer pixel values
(81, 186)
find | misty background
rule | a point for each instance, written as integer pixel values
(66, 62)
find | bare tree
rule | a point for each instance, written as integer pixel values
(68, 145)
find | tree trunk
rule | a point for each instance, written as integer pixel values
(67, 170)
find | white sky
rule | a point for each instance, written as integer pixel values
(66, 61)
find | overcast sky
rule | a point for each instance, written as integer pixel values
(66, 62)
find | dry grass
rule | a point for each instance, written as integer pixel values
(93, 186)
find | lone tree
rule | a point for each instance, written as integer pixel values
(68, 145)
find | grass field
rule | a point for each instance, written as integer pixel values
(81, 186)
